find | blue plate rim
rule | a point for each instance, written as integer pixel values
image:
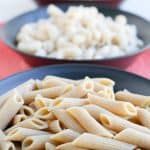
(57, 66)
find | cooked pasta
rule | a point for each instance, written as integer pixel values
(75, 34)
(117, 107)
(67, 120)
(144, 117)
(118, 124)
(50, 146)
(57, 113)
(69, 146)
(91, 141)
(88, 122)
(70, 102)
(135, 137)
(64, 136)
(35, 142)
(14, 103)
(136, 99)
(54, 126)
(19, 133)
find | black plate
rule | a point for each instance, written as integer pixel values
(123, 79)
(11, 28)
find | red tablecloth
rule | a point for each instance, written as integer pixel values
(11, 62)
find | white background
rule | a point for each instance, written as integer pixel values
(11, 8)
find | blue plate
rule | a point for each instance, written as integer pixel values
(123, 79)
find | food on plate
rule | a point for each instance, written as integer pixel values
(57, 113)
(80, 33)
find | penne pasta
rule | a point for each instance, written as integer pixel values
(64, 114)
(95, 111)
(67, 120)
(7, 145)
(41, 101)
(50, 146)
(67, 80)
(26, 110)
(19, 118)
(13, 103)
(64, 136)
(136, 99)
(104, 81)
(117, 107)
(118, 124)
(91, 141)
(51, 82)
(107, 93)
(35, 142)
(144, 117)
(43, 113)
(88, 122)
(49, 93)
(135, 137)
(19, 133)
(54, 126)
(68, 146)
(31, 123)
(24, 87)
(70, 102)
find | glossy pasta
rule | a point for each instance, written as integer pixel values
(57, 113)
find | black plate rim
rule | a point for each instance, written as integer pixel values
(57, 66)
(143, 49)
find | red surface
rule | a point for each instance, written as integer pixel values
(11, 62)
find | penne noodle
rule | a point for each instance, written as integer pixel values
(2, 135)
(68, 146)
(67, 120)
(144, 117)
(26, 110)
(81, 89)
(99, 87)
(64, 136)
(67, 80)
(135, 137)
(88, 122)
(51, 82)
(24, 87)
(54, 126)
(19, 133)
(104, 81)
(7, 145)
(70, 102)
(13, 103)
(117, 107)
(49, 93)
(41, 101)
(118, 124)
(107, 93)
(136, 99)
(19, 118)
(43, 113)
(50, 146)
(95, 111)
(31, 123)
(35, 142)
(91, 141)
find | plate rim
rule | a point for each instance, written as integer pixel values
(56, 66)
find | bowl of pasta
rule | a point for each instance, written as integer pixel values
(89, 107)
(66, 33)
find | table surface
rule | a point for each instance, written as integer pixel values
(140, 7)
